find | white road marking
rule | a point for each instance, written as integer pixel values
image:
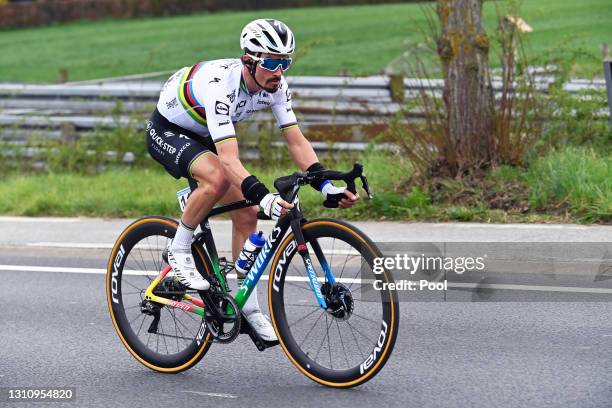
(77, 245)
(499, 286)
(38, 219)
(511, 226)
(529, 287)
(212, 394)
(93, 245)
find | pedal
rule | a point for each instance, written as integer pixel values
(260, 343)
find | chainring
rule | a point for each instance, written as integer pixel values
(226, 328)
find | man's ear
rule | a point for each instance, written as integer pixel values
(246, 60)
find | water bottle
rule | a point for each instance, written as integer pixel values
(249, 253)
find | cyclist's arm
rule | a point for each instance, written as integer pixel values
(230, 162)
(240, 177)
(300, 148)
(304, 156)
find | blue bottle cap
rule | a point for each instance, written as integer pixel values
(257, 239)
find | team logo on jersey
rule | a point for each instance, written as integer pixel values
(288, 95)
(226, 122)
(241, 104)
(168, 134)
(232, 96)
(172, 104)
(221, 108)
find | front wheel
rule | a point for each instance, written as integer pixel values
(347, 344)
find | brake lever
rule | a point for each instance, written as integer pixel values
(365, 185)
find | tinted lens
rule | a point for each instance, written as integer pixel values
(272, 64)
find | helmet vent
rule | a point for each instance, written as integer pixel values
(255, 42)
(269, 37)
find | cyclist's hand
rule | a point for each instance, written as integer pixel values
(341, 195)
(349, 199)
(274, 206)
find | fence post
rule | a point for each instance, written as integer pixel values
(608, 73)
(396, 87)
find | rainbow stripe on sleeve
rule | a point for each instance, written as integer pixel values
(192, 106)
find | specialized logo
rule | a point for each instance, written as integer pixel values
(259, 264)
(241, 104)
(200, 334)
(180, 305)
(314, 280)
(169, 134)
(172, 79)
(214, 80)
(288, 95)
(232, 96)
(281, 263)
(149, 125)
(115, 274)
(363, 367)
(221, 108)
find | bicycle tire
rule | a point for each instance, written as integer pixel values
(194, 350)
(367, 364)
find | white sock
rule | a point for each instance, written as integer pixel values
(252, 303)
(183, 237)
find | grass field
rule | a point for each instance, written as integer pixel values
(357, 39)
(571, 185)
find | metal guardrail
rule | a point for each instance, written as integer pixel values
(318, 101)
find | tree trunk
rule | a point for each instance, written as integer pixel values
(463, 47)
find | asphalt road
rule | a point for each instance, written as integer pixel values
(55, 332)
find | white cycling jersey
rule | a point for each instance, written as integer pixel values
(209, 97)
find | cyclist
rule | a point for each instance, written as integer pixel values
(191, 133)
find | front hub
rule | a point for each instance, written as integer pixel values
(339, 300)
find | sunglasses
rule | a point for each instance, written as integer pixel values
(272, 64)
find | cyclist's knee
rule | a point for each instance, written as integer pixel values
(215, 187)
(209, 174)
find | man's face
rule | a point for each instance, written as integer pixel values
(270, 80)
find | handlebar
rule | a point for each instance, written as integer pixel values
(288, 186)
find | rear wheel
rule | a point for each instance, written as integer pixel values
(347, 344)
(163, 338)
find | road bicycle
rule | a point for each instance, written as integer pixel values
(334, 327)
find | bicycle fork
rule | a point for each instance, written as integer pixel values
(312, 276)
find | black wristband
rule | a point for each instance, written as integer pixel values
(253, 189)
(316, 167)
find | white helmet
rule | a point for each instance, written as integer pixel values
(268, 36)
